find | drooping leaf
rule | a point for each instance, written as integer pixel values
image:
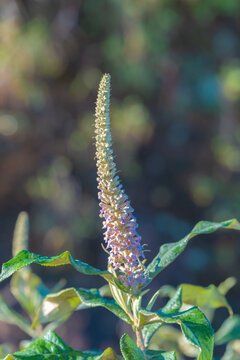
(61, 305)
(230, 330)
(194, 325)
(169, 252)
(10, 316)
(204, 296)
(160, 355)
(57, 306)
(52, 347)
(28, 289)
(25, 258)
(130, 350)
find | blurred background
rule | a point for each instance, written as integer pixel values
(175, 67)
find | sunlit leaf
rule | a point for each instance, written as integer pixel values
(25, 258)
(52, 347)
(5, 349)
(61, 305)
(169, 252)
(108, 354)
(194, 325)
(9, 357)
(204, 296)
(230, 330)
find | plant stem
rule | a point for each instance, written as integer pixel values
(140, 343)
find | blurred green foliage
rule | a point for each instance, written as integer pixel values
(175, 67)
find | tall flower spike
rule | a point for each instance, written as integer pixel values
(121, 237)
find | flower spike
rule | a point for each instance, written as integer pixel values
(120, 225)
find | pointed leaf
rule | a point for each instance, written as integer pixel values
(230, 330)
(194, 325)
(169, 252)
(25, 258)
(61, 305)
(129, 349)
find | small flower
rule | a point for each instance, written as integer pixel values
(120, 236)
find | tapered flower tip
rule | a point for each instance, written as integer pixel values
(105, 82)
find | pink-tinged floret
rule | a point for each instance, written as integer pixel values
(122, 240)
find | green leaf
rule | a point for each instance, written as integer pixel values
(28, 289)
(129, 349)
(9, 357)
(61, 305)
(164, 291)
(194, 325)
(25, 258)
(169, 337)
(169, 252)
(230, 330)
(204, 296)
(10, 316)
(5, 348)
(174, 304)
(108, 354)
(52, 347)
(160, 355)
(57, 307)
(148, 331)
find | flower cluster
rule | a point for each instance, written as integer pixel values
(121, 237)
